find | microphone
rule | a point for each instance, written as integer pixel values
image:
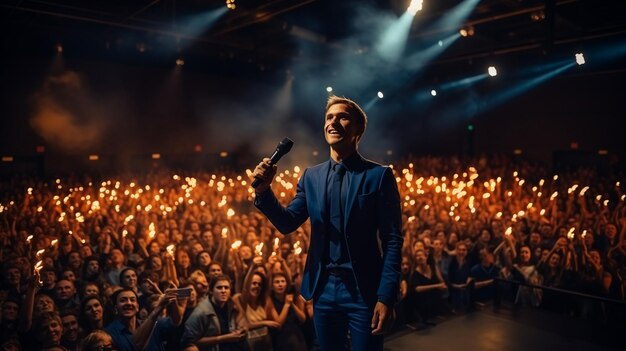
(281, 150)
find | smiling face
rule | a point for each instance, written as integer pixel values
(50, 331)
(70, 327)
(93, 310)
(341, 129)
(44, 303)
(126, 304)
(129, 279)
(255, 285)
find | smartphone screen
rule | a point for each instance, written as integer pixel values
(183, 292)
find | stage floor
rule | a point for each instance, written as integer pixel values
(487, 330)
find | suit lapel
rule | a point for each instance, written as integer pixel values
(321, 188)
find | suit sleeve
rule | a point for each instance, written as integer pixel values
(285, 219)
(390, 232)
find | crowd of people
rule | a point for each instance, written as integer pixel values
(185, 262)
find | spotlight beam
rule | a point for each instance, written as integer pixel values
(392, 42)
(524, 86)
(463, 82)
(169, 33)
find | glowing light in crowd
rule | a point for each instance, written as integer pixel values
(570, 233)
(170, 250)
(380, 95)
(236, 245)
(224, 232)
(151, 230)
(258, 249)
(492, 71)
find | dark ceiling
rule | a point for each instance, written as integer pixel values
(268, 34)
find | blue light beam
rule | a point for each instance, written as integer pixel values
(523, 87)
(392, 42)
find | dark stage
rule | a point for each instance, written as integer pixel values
(487, 330)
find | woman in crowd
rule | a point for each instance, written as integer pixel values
(254, 311)
(425, 287)
(287, 308)
(91, 315)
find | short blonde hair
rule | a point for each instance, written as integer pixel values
(354, 109)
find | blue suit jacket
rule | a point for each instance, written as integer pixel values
(373, 227)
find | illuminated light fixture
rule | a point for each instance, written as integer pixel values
(415, 6)
(580, 58)
(93, 157)
(467, 31)
(517, 152)
(537, 16)
(329, 89)
(381, 95)
(59, 48)
(180, 62)
(156, 156)
(223, 154)
(7, 158)
(231, 4)
(492, 71)
(433, 92)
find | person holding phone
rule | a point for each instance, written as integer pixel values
(213, 322)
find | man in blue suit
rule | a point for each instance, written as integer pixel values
(353, 267)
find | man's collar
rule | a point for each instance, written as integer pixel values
(351, 163)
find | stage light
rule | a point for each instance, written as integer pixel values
(466, 31)
(224, 154)
(156, 156)
(180, 62)
(7, 158)
(380, 95)
(94, 157)
(538, 16)
(329, 89)
(580, 59)
(492, 71)
(415, 6)
(59, 48)
(433, 92)
(231, 4)
(440, 43)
